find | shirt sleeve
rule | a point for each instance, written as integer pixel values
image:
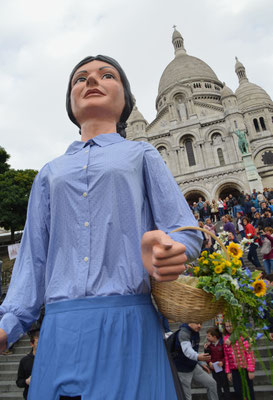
(25, 295)
(169, 207)
(184, 339)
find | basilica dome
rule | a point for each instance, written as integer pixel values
(248, 94)
(184, 67)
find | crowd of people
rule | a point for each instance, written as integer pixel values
(245, 216)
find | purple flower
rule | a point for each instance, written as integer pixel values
(247, 272)
(259, 335)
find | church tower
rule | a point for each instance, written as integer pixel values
(194, 129)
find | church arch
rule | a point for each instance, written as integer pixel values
(192, 194)
(215, 130)
(231, 186)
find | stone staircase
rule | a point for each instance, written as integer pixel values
(8, 370)
(262, 383)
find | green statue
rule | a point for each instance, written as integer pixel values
(242, 141)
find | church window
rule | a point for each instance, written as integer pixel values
(267, 157)
(256, 124)
(221, 157)
(190, 153)
(161, 149)
(262, 124)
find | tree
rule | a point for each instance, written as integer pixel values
(15, 186)
(4, 156)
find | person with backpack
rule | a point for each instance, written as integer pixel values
(187, 360)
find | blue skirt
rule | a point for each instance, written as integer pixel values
(102, 348)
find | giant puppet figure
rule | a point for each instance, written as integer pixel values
(97, 227)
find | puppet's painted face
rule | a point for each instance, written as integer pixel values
(97, 91)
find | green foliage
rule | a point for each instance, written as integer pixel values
(4, 156)
(242, 290)
(15, 186)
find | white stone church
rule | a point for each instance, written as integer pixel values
(194, 130)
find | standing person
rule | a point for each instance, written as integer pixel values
(236, 208)
(237, 356)
(228, 225)
(95, 230)
(26, 364)
(251, 233)
(215, 348)
(221, 209)
(211, 228)
(200, 208)
(239, 224)
(188, 362)
(267, 256)
(214, 211)
(247, 206)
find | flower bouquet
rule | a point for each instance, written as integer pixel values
(221, 286)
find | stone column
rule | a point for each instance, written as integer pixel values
(254, 179)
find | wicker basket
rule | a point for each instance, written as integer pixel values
(183, 303)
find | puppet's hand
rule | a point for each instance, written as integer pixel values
(163, 258)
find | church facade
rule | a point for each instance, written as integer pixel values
(196, 123)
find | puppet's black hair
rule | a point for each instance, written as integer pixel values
(129, 99)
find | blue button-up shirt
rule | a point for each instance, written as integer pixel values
(87, 212)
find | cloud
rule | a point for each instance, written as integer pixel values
(40, 42)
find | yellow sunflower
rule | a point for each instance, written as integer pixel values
(204, 253)
(196, 270)
(259, 287)
(237, 262)
(211, 256)
(234, 250)
(201, 259)
(218, 269)
(206, 262)
(227, 263)
(233, 272)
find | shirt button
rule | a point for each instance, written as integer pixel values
(86, 223)
(85, 259)
(85, 166)
(84, 194)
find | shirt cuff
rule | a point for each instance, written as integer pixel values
(13, 328)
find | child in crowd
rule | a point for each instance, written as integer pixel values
(239, 356)
(215, 348)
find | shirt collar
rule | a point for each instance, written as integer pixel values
(102, 140)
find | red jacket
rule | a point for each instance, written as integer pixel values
(249, 229)
(235, 354)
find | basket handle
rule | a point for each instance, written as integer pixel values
(197, 228)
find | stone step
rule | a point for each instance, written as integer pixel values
(9, 386)
(11, 395)
(8, 375)
(8, 366)
(264, 392)
(261, 378)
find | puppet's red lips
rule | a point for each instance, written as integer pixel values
(93, 92)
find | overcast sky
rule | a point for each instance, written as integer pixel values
(41, 41)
